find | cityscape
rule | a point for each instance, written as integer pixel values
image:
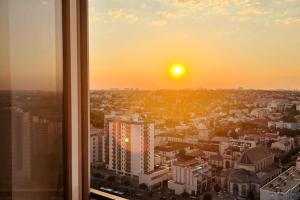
(149, 100)
(196, 144)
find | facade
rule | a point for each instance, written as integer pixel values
(230, 156)
(193, 176)
(216, 161)
(95, 149)
(131, 146)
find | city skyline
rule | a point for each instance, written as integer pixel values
(222, 44)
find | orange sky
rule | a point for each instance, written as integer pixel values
(222, 43)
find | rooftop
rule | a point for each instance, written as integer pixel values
(285, 181)
(253, 155)
(189, 163)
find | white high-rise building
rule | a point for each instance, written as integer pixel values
(130, 147)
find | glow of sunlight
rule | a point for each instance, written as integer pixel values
(126, 140)
(177, 70)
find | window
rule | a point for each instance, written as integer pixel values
(42, 100)
(31, 100)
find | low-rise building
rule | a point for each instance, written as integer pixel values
(193, 176)
(255, 168)
(284, 125)
(284, 145)
(156, 177)
(284, 187)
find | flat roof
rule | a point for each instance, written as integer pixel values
(284, 182)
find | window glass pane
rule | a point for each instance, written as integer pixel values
(185, 93)
(31, 115)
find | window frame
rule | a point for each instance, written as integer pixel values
(76, 98)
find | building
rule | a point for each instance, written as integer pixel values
(192, 176)
(95, 139)
(21, 151)
(230, 156)
(284, 187)
(209, 148)
(255, 168)
(130, 149)
(203, 131)
(157, 177)
(131, 146)
(282, 146)
(284, 125)
(298, 107)
(216, 161)
(298, 161)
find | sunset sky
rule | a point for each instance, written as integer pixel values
(221, 43)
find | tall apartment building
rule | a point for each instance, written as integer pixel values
(129, 145)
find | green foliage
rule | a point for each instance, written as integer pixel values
(98, 175)
(289, 156)
(289, 132)
(143, 186)
(207, 197)
(97, 119)
(111, 179)
(185, 194)
(289, 118)
(217, 188)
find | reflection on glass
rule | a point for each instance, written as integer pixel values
(31, 115)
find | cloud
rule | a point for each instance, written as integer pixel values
(94, 14)
(130, 18)
(290, 21)
(116, 12)
(187, 4)
(122, 14)
(168, 15)
(252, 11)
(158, 23)
(289, 1)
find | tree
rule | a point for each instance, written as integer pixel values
(127, 183)
(111, 179)
(150, 194)
(97, 118)
(143, 186)
(250, 195)
(98, 175)
(207, 197)
(185, 194)
(217, 188)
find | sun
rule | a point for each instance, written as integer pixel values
(177, 70)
